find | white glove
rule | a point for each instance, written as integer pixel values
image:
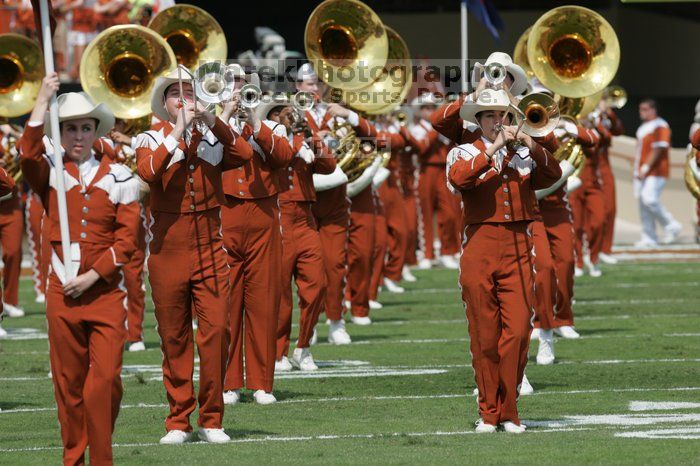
(573, 183)
(306, 154)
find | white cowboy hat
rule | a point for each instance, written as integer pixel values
(537, 87)
(519, 77)
(162, 84)
(75, 105)
(489, 99)
(269, 102)
(306, 71)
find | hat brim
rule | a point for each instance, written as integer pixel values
(519, 79)
(470, 109)
(101, 113)
(264, 108)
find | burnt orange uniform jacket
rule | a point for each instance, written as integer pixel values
(302, 257)
(86, 334)
(496, 272)
(187, 262)
(251, 224)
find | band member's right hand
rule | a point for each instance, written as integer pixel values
(49, 86)
(75, 287)
(337, 110)
(184, 119)
(230, 107)
(120, 138)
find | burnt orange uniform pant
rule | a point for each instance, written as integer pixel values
(302, 259)
(560, 233)
(397, 236)
(11, 230)
(189, 278)
(360, 249)
(436, 197)
(410, 207)
(133, 282)
(332, 213)
(379, 251)
(33, 216)
(254, 245)
(497, 284)
(86, 342)
(588, 207)
(545, 277)
(607, 179)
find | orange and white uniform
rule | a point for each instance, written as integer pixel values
(496, 266)
(607, 178)
(86, 334)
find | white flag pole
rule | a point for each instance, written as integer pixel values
(465, 64)
(56, 139)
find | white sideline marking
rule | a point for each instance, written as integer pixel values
(661, 405)
(303, 438)
(686, 433)
(342, 399)
(15, 334)
(617, 420)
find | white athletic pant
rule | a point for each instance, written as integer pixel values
(648, 192)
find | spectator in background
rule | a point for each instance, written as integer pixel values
(82, 30)
(651, 170)
(110, 13)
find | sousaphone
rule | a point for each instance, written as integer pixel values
(21, 72)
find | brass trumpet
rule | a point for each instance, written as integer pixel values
(538, 113)
(21, 72)
(302, 102)
(250, 98)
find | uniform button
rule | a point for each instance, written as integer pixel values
(85, 210)
(505, 177)
(241, 180)
(191, 206)
(506, 203)
(291, 177)
(87, 197)
(507, 217)
(241, 193)
(505, 190)
(191, 167)
(191, 180)
(83, 222)
(83, 235)
(290, 168)
(192, 193)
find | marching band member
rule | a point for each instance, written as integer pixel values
(361, 232)
(607, 179)
(332, 207)
(85, 312)
(7, 188)
(378, 254)
(497, 183)
(11, 230)
(301, 244)
(187, 263)
(252, 237)
(651, 169)
(34, 216)
(408, 175)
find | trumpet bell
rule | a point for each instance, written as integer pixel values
(495, 73)
(21, 72)
(212, 83)
(340, 37)
(250, 96)
(192, 33)
(303, 101)
(540, 114)
(573, 51)
(120, 65)
(392, 85)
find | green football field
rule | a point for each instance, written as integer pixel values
(627, 392)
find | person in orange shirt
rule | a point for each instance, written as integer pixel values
(85, 309)
(183, 165)
(651, 170)
(497, 181)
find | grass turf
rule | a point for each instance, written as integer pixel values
(402, 392)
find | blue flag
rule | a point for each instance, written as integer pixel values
(485, 12)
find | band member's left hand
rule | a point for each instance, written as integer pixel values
(120, 138)
(80, 284)
(204, 115)
(337, 110)
(253, 120)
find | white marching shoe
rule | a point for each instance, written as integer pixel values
(232, 397)
(337, 335)
(213, 435)
(483, 428)
(392, 287)
(302, 359)
(314, 338)
(513, 428)
(407, 275)
(137, 346)
(535, 335)
(360, 320)
(425, 264)
(375, 305)
(264, 398)
(449, 262)
(283, 365)
(545, 353)
(175, 437)
(3, 332)
(578, 272)
(646, 243)
(673, 231)
(594, 271)
(40, 298)
(607, 258)
(13, 311)
(567, 331)
(525, 387)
